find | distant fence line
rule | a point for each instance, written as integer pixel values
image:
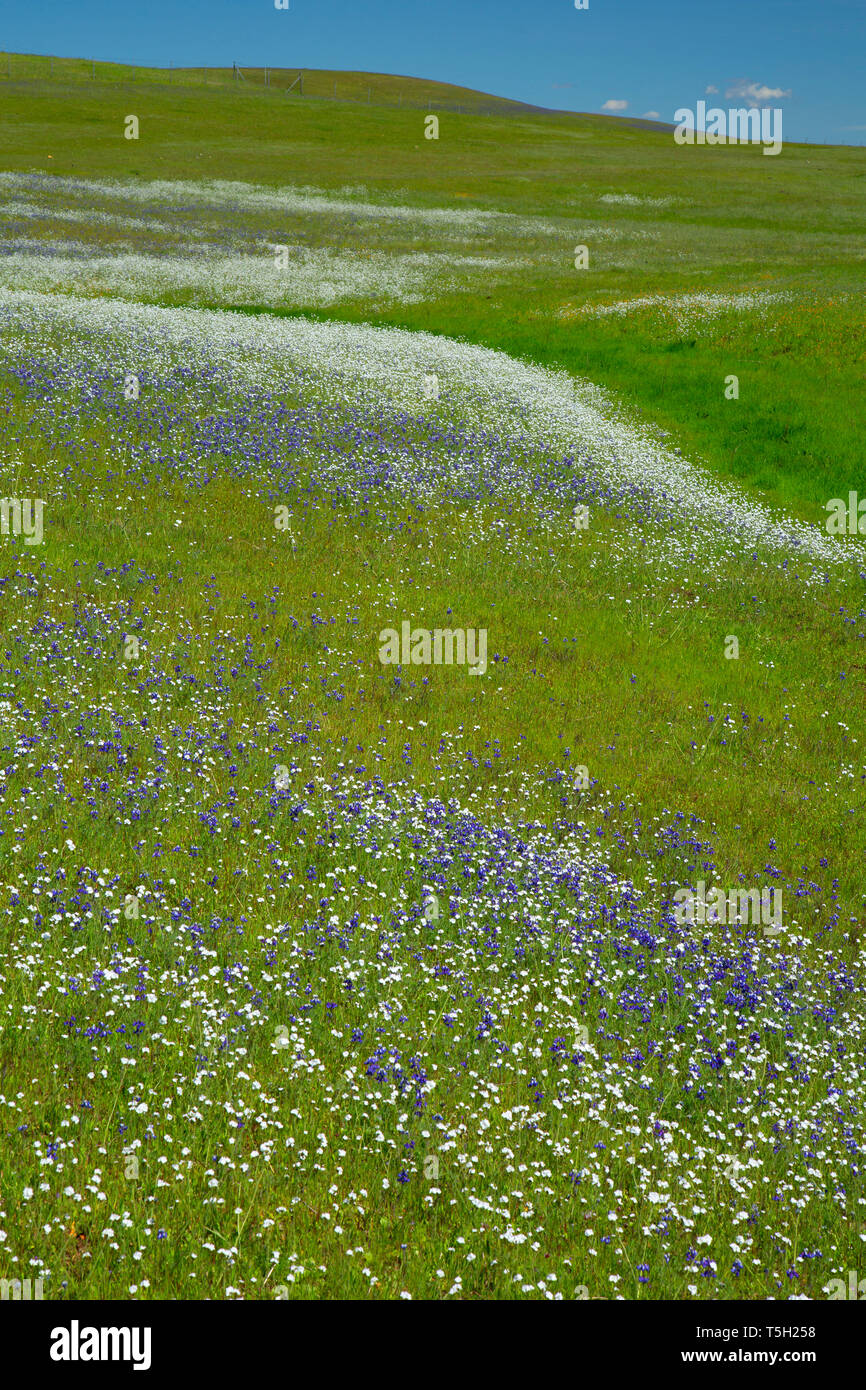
(37, 69)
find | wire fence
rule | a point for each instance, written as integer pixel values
(311, 85)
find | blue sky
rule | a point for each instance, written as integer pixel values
(653, 56)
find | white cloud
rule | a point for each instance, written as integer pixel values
(755, 93)
(650, 116)
(711, 91)
(614, 106)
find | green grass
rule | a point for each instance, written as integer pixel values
(376, 87)
(739, 222)
(630, 695)
(636, 688)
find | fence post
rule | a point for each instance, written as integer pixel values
(93, 69)
(302, 84)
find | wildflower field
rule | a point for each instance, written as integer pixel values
(327, 978)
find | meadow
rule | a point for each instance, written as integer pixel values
(323, 978)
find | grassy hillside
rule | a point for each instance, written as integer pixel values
(658, 220)
(378, 88)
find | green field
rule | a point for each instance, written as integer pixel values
(738, 222)
(620, 1100)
